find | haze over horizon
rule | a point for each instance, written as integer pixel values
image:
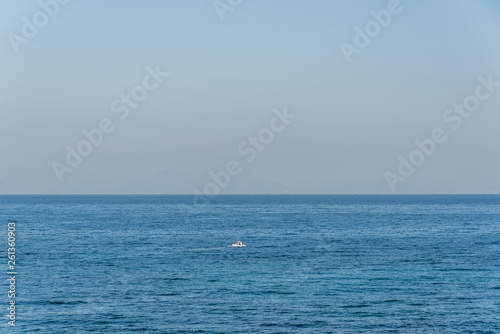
(264, 101)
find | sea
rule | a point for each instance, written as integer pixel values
(312, 264)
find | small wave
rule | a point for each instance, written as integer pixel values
(116, 316)
(268, 324)
(297, 325)
(209, 248)
(55, 302)
(174, 279)
(278, 292)
(59, 302)
(355, 306)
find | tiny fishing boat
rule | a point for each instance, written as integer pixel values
(238, 244)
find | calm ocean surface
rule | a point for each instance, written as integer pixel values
(313, 264)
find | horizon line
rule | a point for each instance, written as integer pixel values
(273, 194)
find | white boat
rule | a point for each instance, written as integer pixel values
(238, 244)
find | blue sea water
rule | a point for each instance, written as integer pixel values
(313, 264)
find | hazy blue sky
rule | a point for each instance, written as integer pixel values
(353, 120)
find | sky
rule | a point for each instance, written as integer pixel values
(333, 98)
